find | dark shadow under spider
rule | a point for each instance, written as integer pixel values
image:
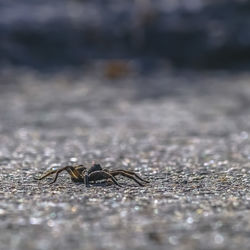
(95, 173)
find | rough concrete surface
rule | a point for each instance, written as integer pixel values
(188, 133)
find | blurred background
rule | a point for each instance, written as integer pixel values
(196, 34)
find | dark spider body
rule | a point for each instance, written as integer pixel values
(94, 173)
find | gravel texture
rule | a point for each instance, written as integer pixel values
(187, 133)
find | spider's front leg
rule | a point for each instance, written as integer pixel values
(45, 175)
(72, 171)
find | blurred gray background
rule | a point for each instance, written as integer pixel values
(199, 34)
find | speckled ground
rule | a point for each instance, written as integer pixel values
(187, 133)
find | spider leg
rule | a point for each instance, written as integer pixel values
(136, 175)
(75, 175)
(80, 169)
(86, 180)
(114, 181)
(123, 173)
(45, 175)
(116, 172)
(102, 175)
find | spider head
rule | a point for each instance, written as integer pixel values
(95, 167)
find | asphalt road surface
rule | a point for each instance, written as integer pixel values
(187, 133)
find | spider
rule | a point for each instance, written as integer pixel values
(95, 173)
